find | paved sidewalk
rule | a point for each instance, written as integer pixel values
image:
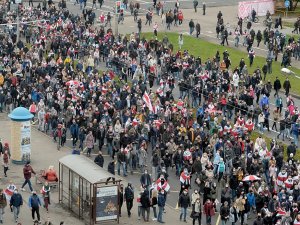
(43, 154)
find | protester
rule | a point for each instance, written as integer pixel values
(27, 171)
(3, 204)
(50, 175)
(132, 104)
(129, 197)
(16, 202)
(46, 195)
(34, 203)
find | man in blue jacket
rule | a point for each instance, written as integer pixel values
(34, 203)
(15, 203)
(74, 130)
(161, 202)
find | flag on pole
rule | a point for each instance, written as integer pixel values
(147, 101)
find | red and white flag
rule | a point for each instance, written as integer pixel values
(185, 178)
(135, 122)
(107, 106)
(147, 100)
(165, 186)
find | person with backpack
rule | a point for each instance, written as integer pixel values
(34, 203)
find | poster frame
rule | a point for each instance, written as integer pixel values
(96, 186)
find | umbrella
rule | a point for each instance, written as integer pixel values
(251, 178)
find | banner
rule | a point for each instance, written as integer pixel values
(261, 8)
(25, 140)
(107, 203)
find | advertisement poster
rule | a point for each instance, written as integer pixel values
(107, 203)
(25, 140)
(15, 141)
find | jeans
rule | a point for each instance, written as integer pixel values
(183, 212)
(295, 136)
(191, 30)
(37, 211)
(1, 213)
(16, 211)
(223, 222)
(160, 213)
(154, 172)
(178, 169)
(154, 212)
(144, 212)
(109, 148)
(123, 164)
(74, 140)
(208, 219)
(27, 181)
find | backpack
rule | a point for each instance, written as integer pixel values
(221, 167)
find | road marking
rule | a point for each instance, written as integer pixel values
(144, 2)
(218, 220)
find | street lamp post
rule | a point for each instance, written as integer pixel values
(18, 2)
(117, 10)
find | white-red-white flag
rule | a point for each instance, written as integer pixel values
(164, 186)
(147, 101)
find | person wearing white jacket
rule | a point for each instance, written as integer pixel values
(235, 81)
(261, 120)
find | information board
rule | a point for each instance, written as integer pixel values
(107, 203)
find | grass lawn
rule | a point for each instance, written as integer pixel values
(205, 49)
(255, 135)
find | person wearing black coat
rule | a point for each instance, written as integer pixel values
(121, 199)
(277, 86)
(129, 196)
(145, 180)
(145, 202)
(111, 167)
(184, 202)
(291, 149)
(224, 212)
(287, 86)
(258, 220)
(99, 160)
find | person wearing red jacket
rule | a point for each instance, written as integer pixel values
(209, 211)
(27, 171)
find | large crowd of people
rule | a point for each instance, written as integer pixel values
(131, 111)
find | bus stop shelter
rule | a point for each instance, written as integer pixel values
(88, 190)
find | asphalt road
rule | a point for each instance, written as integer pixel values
(109, 5)
(173, 180)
